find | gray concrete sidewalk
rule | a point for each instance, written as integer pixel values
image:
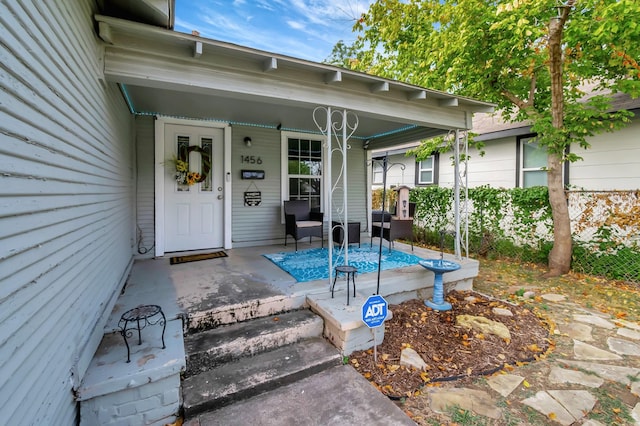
(338, 396)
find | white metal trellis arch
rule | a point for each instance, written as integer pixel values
(461, 194)
(339, 126)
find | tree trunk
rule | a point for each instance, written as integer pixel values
(560, 255)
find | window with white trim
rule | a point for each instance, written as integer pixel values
(425, 173)
(533, 163)
(304, 169)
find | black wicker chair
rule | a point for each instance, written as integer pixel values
(301, 222)
(385, 225)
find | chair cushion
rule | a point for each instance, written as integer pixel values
(387, 225)
(308, 223)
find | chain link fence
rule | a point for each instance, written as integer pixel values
(606, 233)
(516, 224)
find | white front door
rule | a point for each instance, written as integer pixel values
(193, 204)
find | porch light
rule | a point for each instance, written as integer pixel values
(247, 141)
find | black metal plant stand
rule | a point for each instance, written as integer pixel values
(385, 167)
(139, 318)
(350, 271)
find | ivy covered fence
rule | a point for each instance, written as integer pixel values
(516, 224)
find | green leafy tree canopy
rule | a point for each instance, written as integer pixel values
(551, 63)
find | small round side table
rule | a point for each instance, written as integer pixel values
(351, 274)
(139, 318)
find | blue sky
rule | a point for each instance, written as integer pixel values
(306, 29)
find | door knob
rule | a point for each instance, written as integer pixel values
(219, 197)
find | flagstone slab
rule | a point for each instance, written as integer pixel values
(479, 402)
(564, 375)
(577, 402)
(586, 351)
(544, 403)
(594, 320)
(629, 324)
(553, 297)
(616, 373)
(504, 384)
(577, 331)
(592, 422)
(410, 358)
(635, 413)
(635, 388)
(629, 334)
(623, 347)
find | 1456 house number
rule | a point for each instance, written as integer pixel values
(250, 159)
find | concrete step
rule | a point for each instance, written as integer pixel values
(337, 396)
(250, 376)
(223, 312)
(210, 348)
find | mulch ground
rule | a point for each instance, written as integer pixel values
(450, 351)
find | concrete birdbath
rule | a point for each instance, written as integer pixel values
(439, 267)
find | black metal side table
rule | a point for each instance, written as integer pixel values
(351, 274)
(140, 317)
(338, 232)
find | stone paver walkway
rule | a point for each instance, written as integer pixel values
(567, 392)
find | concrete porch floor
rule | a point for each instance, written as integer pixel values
(246, 285)
(215, 291)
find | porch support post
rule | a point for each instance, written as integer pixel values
(461, 195)
(345, 199)
(464, 196)
(456, 195)
(328, 191)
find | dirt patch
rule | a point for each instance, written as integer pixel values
(451, 352)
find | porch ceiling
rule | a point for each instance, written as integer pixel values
(164, 72)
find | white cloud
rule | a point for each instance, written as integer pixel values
(302, 28)
(296, 25)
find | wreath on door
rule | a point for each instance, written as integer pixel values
(186, 177)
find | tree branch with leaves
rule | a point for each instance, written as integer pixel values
(552, 64)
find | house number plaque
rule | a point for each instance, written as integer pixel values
(250, 159)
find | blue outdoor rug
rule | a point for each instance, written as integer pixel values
(313, 264)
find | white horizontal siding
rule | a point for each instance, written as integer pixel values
(145, 195)
(258, 224)
(66, 204)
(357, 170)
(262, 224)
(612, 162)
(497, 168)
(401, 171)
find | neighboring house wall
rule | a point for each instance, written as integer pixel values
(401, 170)
(497, 168)
(67, 205)
(612, 162)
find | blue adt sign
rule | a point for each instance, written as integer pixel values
(374, 311)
